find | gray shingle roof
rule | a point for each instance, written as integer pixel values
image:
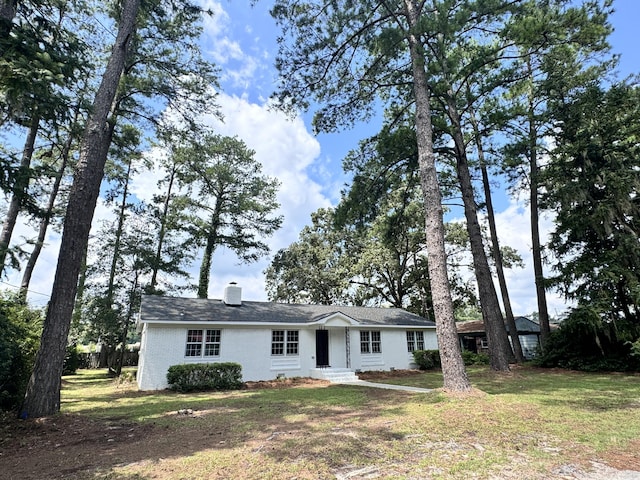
(523, 325)
(176, 309)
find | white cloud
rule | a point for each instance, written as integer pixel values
(286, 151)
(225, 51)
(217, 24)
(144, 184)
(239, 68)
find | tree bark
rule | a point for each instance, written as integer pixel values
(8, 10)
(454, 374)
(499, 347)
(205, 267)
(536, 251)
(43, 391)
(19, 192)
(495, 246)
(79, 301)
(536, 248)
(212, 241)
(118, 237)
(161, 234)
(127, 322)
(504, 290)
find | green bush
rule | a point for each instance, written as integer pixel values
(587, 343)
(427, 359)
(20, 329)
(471, 358)
(71, 361)
(192, 377)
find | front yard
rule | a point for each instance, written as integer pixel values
(528, 424)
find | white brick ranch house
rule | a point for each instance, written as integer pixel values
(272, 340)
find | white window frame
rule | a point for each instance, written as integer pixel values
(415, 340)
(285, 343)
(212, 341)
(203, 342)
(370, 342)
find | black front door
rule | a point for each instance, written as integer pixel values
(322, 348)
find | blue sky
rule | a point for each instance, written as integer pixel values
(242, 41)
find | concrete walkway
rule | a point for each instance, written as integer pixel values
(388, 386)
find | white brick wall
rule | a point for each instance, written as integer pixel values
(163, 346)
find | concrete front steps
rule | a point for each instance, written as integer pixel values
(334, 375)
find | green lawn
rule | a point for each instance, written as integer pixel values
(521, 425)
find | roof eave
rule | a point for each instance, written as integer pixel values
(277, 324)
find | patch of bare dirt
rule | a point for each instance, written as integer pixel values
(471, 393)
(381, 375)
(287, 383)
(60, 446)
(627, 459)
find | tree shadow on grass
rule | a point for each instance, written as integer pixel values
(309, 431)
(127, 434)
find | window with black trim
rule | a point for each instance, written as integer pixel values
(370, 341)
(284, 342)
(415, 340)
(203, 343)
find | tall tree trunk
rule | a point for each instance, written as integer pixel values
(118, 237)
(163, 231)
(42, 234)
(8, 10)
(536, 248)
(111, 287)
(454, 374)
(48, 214)
(499, 347)
(495, 247)
(43, 391)
(127, 322)
(205, 267)
(79, 302)
(19, 192)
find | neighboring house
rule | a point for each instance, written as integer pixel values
(474, 338)
(272, 340)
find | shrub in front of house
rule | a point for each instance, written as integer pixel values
(426, 359)
(471, 358)
(193, 377)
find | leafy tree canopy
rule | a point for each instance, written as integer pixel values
(593, 184)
